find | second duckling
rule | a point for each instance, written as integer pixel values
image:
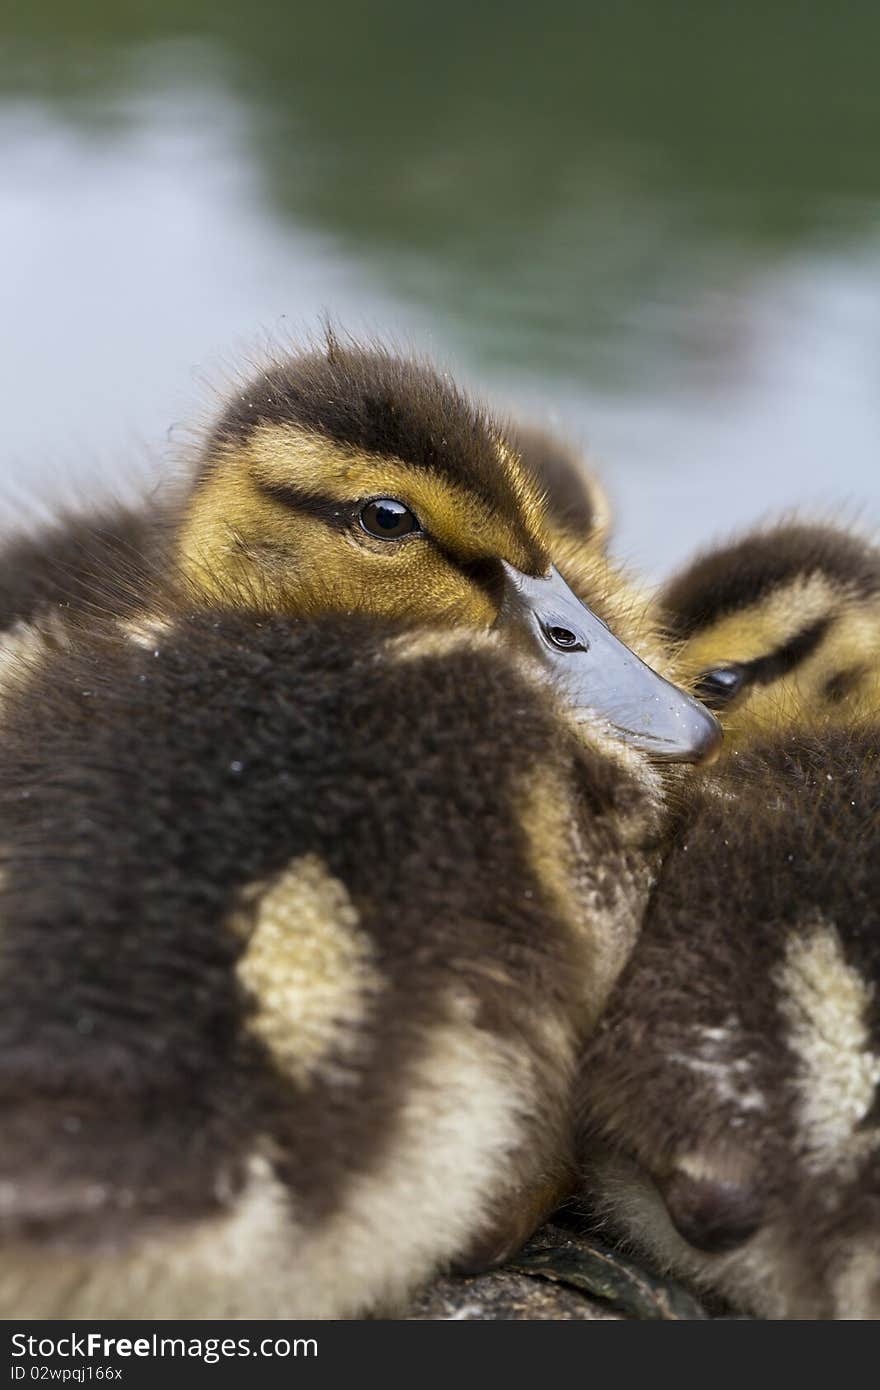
(731, 1096)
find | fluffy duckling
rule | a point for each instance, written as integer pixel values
(327, 896)
(304, 922)
(353, 480)
(730, 1101)
(349, 480)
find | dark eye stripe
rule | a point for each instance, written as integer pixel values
(485, 574)
(326, 509)
(764, 670)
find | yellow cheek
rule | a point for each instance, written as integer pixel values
(852, 649)
(410, 580)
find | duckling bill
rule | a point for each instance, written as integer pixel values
(546, 619)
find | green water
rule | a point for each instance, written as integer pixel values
(655, 224)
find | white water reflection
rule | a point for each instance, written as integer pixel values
(794, 423)
(140, 274)
(140, 267)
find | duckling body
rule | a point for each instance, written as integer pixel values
(730, 1103)
(303, 925)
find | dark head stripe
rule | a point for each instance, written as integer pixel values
(326, 509)
(844, 683)
(725, 581)
(381, 405)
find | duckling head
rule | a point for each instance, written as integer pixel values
(351, 480)
(780, 628)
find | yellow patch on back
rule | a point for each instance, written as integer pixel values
(147, 630)
(433, 642)
(309, 969)
(456, 1147)
(825, 1002)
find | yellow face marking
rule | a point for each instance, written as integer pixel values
(242, 545)
(528, 492)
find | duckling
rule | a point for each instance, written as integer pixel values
(730, 1110)
(782, 627)
(304, 922)
(73, 569)
(343, 864)
(346, 479)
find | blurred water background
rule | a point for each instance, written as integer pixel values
(656, 225)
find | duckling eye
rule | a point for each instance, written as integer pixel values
(563, 637)
(717, 688)
(388, 519)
